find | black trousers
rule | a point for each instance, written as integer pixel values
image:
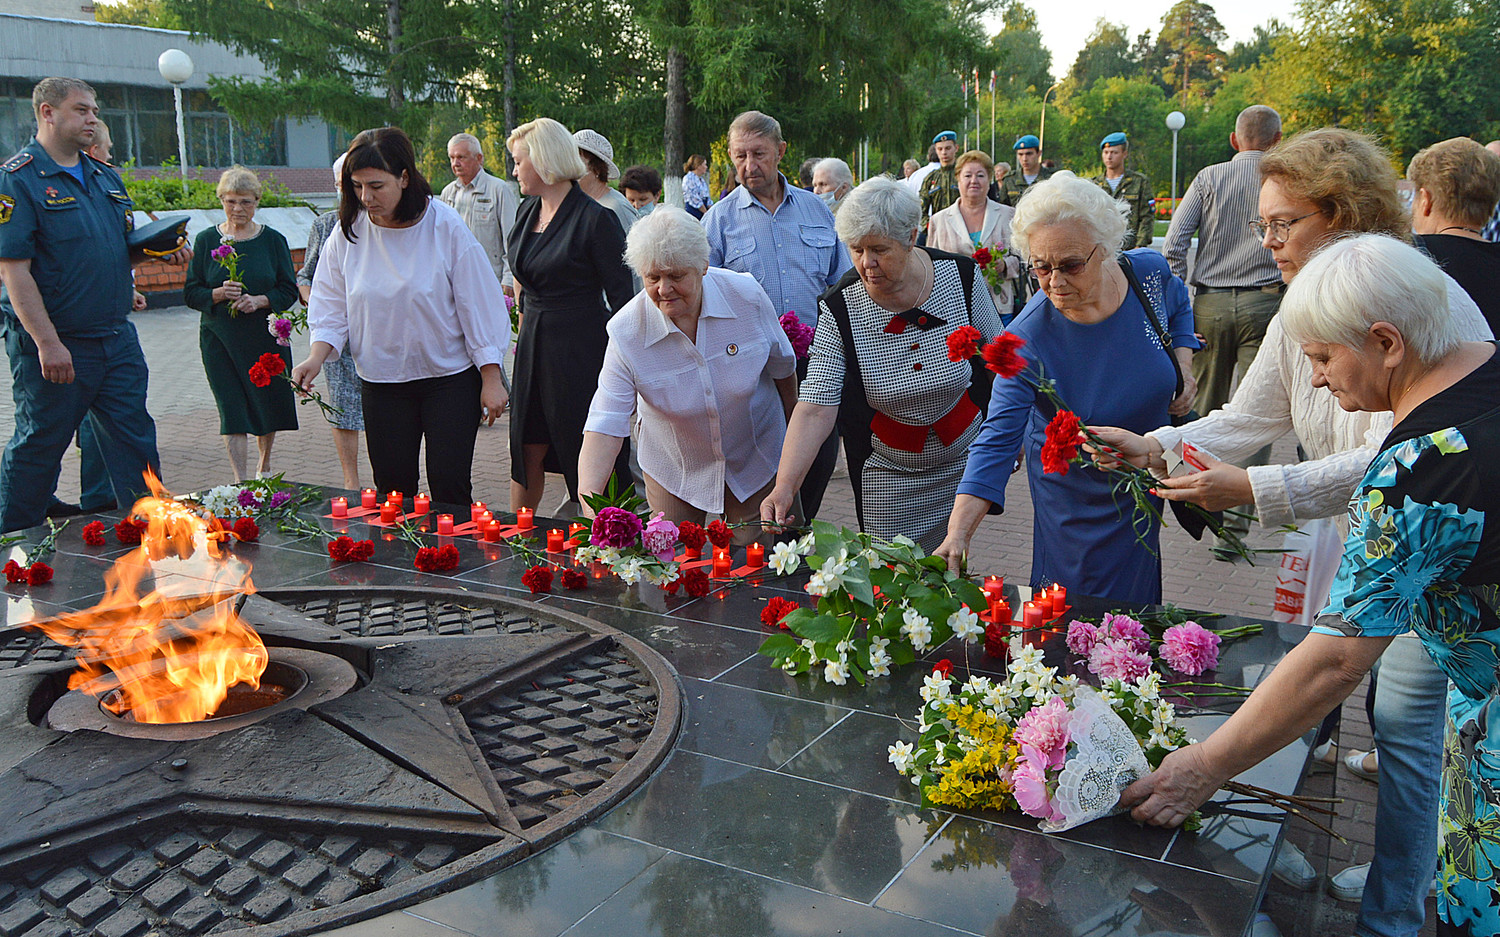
(442, 410)
(821, 470)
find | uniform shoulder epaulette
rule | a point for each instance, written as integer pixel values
(16, 162)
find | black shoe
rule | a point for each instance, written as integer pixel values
(109, 505)
(60, 509)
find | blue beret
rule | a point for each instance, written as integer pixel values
(1029, 141)
(945, 135)
(1115, 139)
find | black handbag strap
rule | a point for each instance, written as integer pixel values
(1154, 318)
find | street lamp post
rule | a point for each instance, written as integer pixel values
(1041, 136)
(1175, 122)
(176, 67)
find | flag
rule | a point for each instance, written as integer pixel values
(992, 81)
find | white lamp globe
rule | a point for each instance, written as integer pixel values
(175, 66)
(1176, 121)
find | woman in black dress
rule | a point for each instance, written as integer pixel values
(567, 254)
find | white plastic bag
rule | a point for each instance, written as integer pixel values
(1310, 557)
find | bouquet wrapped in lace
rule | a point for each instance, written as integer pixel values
(1049, 746)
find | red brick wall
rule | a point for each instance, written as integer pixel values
(157, 277)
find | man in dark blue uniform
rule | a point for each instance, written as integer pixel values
(65, 271)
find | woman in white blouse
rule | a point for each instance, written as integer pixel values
(976, 221)
(698, 360)
(404, 281)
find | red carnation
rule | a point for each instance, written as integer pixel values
(1061, 446)
(963, 343)
(246, 530)
(670, 588)
(691, 535)
(447, 557)
(777, 609)
(574, 579)
(695, 582)
(997, 640)
(38, 573)
(93, 533)
(426, 559)
(259, 376)
(943, 667)
(362, 550)
(273, 363)
(1000, 355)
(129, 530)
(339, 549)
(720, 534)
(14, 572)
(538, 579)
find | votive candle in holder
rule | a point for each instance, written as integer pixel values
(367, 498)
(722, 564)
(484, 519)
(692, 553)
(422, 504)
(755, 555)
(1001, 610)
(388, 513)
(525, 518)
(476, 509)
(1033, 617)
(574, 529)
(555, 540)
(340, 507)
(492, 531)
(994, 588)
(1059, 599)
(445, 524)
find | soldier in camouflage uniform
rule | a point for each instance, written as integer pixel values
(940, 188)
(1130, 187)
(1028, 171)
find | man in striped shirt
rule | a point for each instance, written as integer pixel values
(1237, 287)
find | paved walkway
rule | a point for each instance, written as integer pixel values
(193, 458)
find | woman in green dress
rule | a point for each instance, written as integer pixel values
(232, 334)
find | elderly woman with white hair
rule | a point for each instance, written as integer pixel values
(833, 180)
(882, 370)
(565, 252)
(1371, 315)
(1114, 331)
(700, 361)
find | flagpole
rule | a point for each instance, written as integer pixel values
(992, 115)
(965, 82)
(977, 142)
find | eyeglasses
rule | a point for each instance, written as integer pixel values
(1070, 268)
(1280, 230)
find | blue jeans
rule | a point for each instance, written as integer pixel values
(1410, 708)
(109, 384)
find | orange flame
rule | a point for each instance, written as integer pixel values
(177, 647)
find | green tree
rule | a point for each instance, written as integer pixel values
(1106, 54)
(1189, 50)
(151, 13)
(1022, 64)
(1135, 105)
(1249, 53)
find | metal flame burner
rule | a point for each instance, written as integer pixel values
(294, 679)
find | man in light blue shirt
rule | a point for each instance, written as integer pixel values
(782, 236)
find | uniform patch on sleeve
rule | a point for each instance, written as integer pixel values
(7, 205)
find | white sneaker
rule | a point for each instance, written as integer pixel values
(1349, 885)
(1293, 869)
(1264, 926)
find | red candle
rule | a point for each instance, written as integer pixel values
(555, 541)
(1059, 599)
(492, 531)
(397, 498)
(388, 512)
(422, 504)
(340, 507)
(574, 529)
(692, 553)
(476, 509)
(484, 518)
(722, 565)
(755, 555)
(367, 498)
(1002, 611)
(445, 523)
(994, 587)
(524, 519)
(1033, 616)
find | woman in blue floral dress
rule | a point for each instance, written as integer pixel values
(1369, 313)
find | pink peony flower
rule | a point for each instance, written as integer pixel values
(1190, 648)
(799, 335)
(1030, 780)
(1118, 659)
(1125, 628)
(660, 538)
(1045, 728)
(615, 527)
(1082, 636)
